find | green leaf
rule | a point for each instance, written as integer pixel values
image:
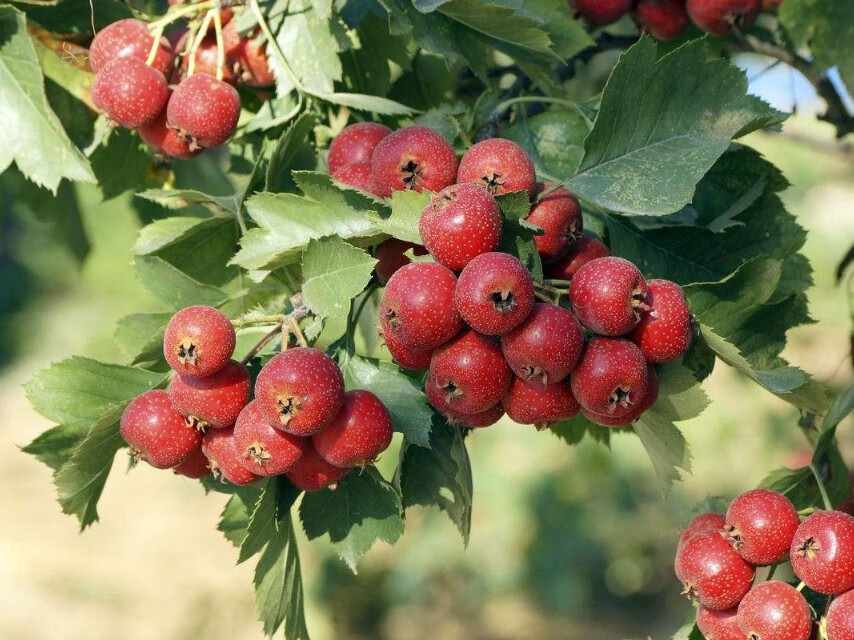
(334, 273)
(800, 486)
(140, 335)
(553, 139)
(661, 126)
(34, 138)
(55, 446)
(172, 287)
(273, 113)
(518, 236)
(189, 197)
(362, 509)
(234, 520)
(680, 396)
(373, 104)
(271, 507)
(665, 445)
(406, 208)
(120, 163)
(572, 431)
(291, 151)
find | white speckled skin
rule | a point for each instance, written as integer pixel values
(355, 143)
(559, 215)
(216, 400)
(662, 19)
(204, 109)
(712, 571)
(775, 610)
(649, 399)
(265, 450)
(129, 38)
(606, 365)
(433, 159)
(499, 165)
(130, 92)
(840, 618)
(209, 331)
(313, 473)
(664, 332)
(718, 16)
(829, 566)
(532, 402)
(220, 448)
(719, 625)
(762, 524)
(700, 523)
(580, 253)
(360, 432)
(602, 295)
(152, 426)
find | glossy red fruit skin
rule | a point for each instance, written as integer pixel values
(215, 401)
(390, 256)
(468, 375)
(601, 12)
(580, 253)
(559, 215)
(775, 610)
(711, 571)
(719, 625)
(195, 466)
(403, 355)
(360, 432)
(662, 19)
(495, 293)
(129, 38)
(156, 432)
(418, 306)
(719, 16)
(355, 174)
(414, 158)
(207, 60)
(130, 92)
(611, 378)
(608, 295)
(476, 420)
(665, 330)
(498, 165)
(761, 525)
(166, 141)
(253, 64)
(204, 110)
(532, 402)
(546, 346)
(649, 399)
(313, 473)
(221, 449)
(840, 618)
(355, 143)
(300, 390)
(265, 450)
(701, 523)
(822, 552)
(199, 341)
(460, 223)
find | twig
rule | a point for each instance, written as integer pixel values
(824, 497)
(220, 45)
(254, 351)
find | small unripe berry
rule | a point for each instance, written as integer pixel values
(360, 432)
(532, 402)
(580, 253)
(355, 143)
(199, 341)
(775, 610)
(215, 401)
(611, 378)
(499, 165)
(221, 449)
(204, 110)
(156, 432)
(130, 92)
(559, 215)
(608, 296)
(415, 158)
(264, 449)
(129, 38)
(665, 329)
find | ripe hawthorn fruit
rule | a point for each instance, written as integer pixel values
(712, 572)
(532, 402)
(129, 38)
(418, 306)
(719, 17)
(265, 450)
(701, 523)
(476, 420)
(360, 432)
(822, 552)
(719, 625)
(355, 174)
(608, 296)
(580, 253)
(253, 64)
(559, 215)
(203, 110)
(775, 610)
(601, 12)
(215, 401)
(390, 257)
(166, 141)
(415, 158)
(199, 341)
(546, 346)
(461, 222)
(156, 432)
(664, 332)
(840, 618)
(195, 466)
(313, 473)
(662, 19)
(761, 525)
(130, 92)
(300, 390)
(649, 399)
(355, 143)
(495, 293)
(221, 449)
(611, 378)
(403, 355)
(498, 165)
(467, 375)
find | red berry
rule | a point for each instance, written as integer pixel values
(761, 525)
(775, 610)
(476, 420)
(468, 375)
(164, 140)
(199, 341)
(701, 523)
(207, 61)
(580, 253)
(130, 92)
(156, 432)
(129, 38)
(719, 625)
(532, 402)
(253, 64)
(495, 293)
(300, 389)
(499, 165)
(390, 257)
(215, 401)
(649, 399)
(840, 618)
(712, 572)
(664, 332)
(461, 222)
(204, 110)
(358, 434)
(662, 19)
(264, 449)
(608, 295)
(313, 473)
(195, 466)
(771, 5)
(719, 17)
(414, 158)
(418, 306)
(547, 346)
(221, 449)
(611, 378)
(559, 215)
(355, 143)
(355, 174)
(403, 355)
(822, 552)
(601, 12)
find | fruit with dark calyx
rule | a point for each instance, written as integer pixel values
(775, 610)
(719, 625)
(580, 253)
(761, 525)
(413, 158)
(532, 402)
(204, 110)
(265, 450)
(355, 143)
(129, 38)
(649, 399)
(195, 466)
(720, 17)
(130, 92)
(313, 473)
(601, 12)
(221, 449)
(611, 378)
(300, 390)
(559, 215)
(156, 432)
(701, 523)
(403, 355)
(215, 401)
(608, 296)
(712, 572)
(355, 174)
(460, 223)
(665, 330)
(822, 552)
(198, 341)
(476, 420)
(840, 618)
(165, 141)
(498, 165)
(390, 257)
(662, 19)
(360, 432)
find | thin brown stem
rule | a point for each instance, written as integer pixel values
(254, 351)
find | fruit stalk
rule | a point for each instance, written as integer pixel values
(220, 46)
(197, 42)
(822, 489)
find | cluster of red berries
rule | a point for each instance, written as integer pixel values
(666, 19)
(179, 106)
(716, 561)
(490, 348)
(301, 423)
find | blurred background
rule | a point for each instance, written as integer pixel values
(566, 542)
